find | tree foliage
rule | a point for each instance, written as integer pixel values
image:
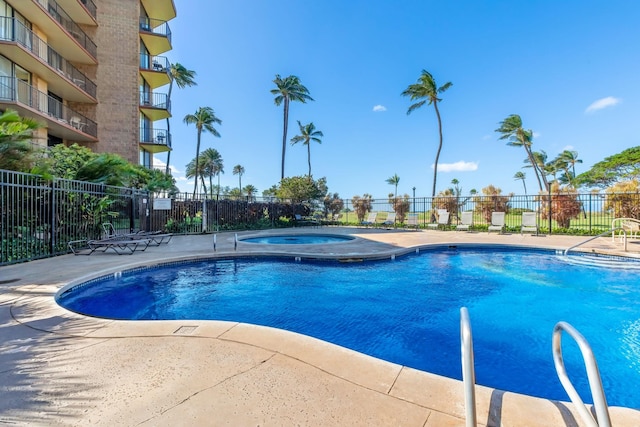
(333, 204)
(620, 167)
(401, 206)
(302, 188)
(622, 199)
(491, 200)
(564, 204)
(362, 205)
(16, 134)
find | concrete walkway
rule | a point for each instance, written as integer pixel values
(60, 368)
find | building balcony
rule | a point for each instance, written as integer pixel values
(81, 11)
(23, 47)
(63, 33)
(163, 10)
(155, 140)
(155, 106)
(60, 120)
(156, 35)
(155, 70)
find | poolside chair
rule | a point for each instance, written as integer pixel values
(371, 219)
(466, 221)
(391, 219)
(497, 222)
(529, 223)
(157, 237)
(443, 220)
(120, 245)
(412, 221)
(301, 221)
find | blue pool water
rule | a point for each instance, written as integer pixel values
(298, 239)
(407, 310)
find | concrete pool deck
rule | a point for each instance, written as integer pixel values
(61, 368)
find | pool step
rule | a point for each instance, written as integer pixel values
(609, 261)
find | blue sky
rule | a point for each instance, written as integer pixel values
(568, 68)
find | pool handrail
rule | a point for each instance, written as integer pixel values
(468, 370)
(593, 375)
(613, 230)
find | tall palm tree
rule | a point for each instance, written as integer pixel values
(288, 89)
(239, 170)
(251, 191)
(203, 119)
(569, 158)
(190, 172)
(182, 78)
(211, 164)
(512, 130)
(308, 133)
(521, 176)
(394, 180)
(426, 90)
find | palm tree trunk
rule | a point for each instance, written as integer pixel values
(195, 185)
(309, 157)
(435, 168)
(533, 164)
(284, 134)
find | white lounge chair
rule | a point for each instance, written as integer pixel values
(371, 219)
(391, 219)
(443, 219)
(412, 221)
(497, 222)
(466, 221)
(529, 223)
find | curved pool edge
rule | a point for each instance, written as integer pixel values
(34, 304)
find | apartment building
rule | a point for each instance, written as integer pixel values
(91, 71)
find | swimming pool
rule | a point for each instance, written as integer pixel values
(298, 239)
(407, 311)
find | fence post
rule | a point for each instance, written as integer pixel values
(52, 217)
(550, 210)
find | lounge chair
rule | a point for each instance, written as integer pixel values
(157, 237)
(412, 221)
(391, 219)
(120, 246)
(443, 219)
(371, 219)
(497, 222)
(301, 221)
(466, 221)
(529, 223)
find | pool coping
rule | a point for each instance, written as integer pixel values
(433, 398)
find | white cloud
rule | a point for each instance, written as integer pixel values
(609, 101)
(536, 134)
(568, 148)
(378, 108)
(460, 166)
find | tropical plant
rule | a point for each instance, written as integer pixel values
(300, 188)
(426, 90)
(16, 134)
(190, 172)
(109, 169)
(250, 191)
(516, 136)
(288, 89)
(491, 200)
(362, 205)
(203, 119)
(620, 167)
(564, 205)
(239, 170)
(65, 161)
(394, 180)
(182, 78)
(333, 204)
(623, 199)
(211, 164)
(521, 176)
(401, 206)
(308, 133)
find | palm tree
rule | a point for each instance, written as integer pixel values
(190, 172)
(521, 176)
(211, 164)
(569, 158)
(239, 170)
(287, 90)
(308, 133)
(203, 119)
(427, 91)
(251, 191)
(183, 78)
(512, 130)
(394, 180)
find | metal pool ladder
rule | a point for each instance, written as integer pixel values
(593, 374)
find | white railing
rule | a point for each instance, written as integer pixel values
(613, 230)
(468, 371)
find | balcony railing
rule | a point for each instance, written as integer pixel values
(91, 7)
(16, 90)
(155, 100)
(156, 26)
(155, 136)
(154, 63)
(12, 30)
(58, 13)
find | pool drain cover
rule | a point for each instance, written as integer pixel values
(185, 330)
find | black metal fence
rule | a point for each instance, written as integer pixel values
(39, 217)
